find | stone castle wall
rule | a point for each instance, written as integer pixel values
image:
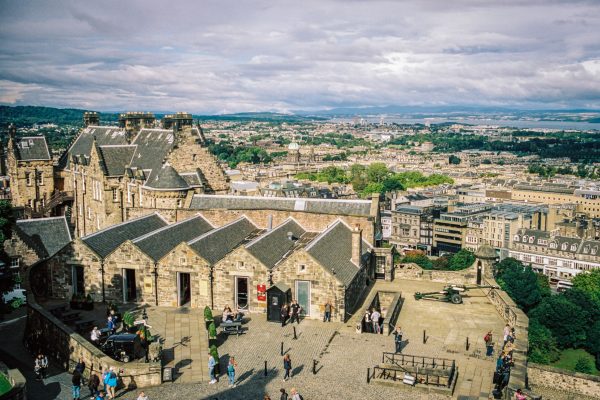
(21, 192)
(560, 379)
(64, 347)
(15, 247)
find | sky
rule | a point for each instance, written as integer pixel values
(227, 56)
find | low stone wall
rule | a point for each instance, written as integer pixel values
(413, 271)
(17, 381)
(560, 379)
(64, 346)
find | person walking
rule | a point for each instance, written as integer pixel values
(367, 321)
(44, 363)
(283, 314)
(37, 367)
(375, 315)
(110, 382)
(231, 371)
(80, 367)
(93, 384)
(95, 336)
(327, 315)
(506, 333)
(110, 324)
(284, 395)
(489, 343)
(398, 338)
(76, 385)
(295, 308)
(295, 394)
(287, 366)
(211, 369)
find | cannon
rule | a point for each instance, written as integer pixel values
(451, 293)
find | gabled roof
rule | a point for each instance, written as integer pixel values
(116, 158)
(333, 250)
(107, 240)
(32, 148)
(272, 246)
(153, 146)
(321, 206)
(215, 245)
(192, 178)
(160, 242)
(47, 236)
(166, 178)
(82, 146)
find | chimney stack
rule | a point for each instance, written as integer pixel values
(290, 235)
(356, 245)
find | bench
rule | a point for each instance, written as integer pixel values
(231, 327)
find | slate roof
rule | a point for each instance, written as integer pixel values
(45, 235)
(333, 250)
(107, 240)
(273, 246)
(215, 245)
(192, 179)
(166, 178)
(116, 158)
(158, 243)
(153, 146)
(32, 148)
(82, 146)
(321, 206)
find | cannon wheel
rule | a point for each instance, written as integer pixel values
(455, 298)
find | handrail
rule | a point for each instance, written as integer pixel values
(420, 377)
(417, 361)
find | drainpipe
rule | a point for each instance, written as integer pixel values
(102, 271)
(156, 284)
(212, 297)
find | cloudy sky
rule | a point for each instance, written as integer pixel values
(232, 56)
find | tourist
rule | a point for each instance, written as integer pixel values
(103, 375)
(110, 382)
(93, 384)
(44, 363)
(295, 307)
(284, 395)
(375, 316)
(283, 314)
(76, 385)
(211, 368)
(227, 314)
(489, 344)
(295, 394)
(110, 324)
(327, 315)
(80, 366)
(231, 371)
(398, 338)
(519, 395)
(287, 366)
(95, 336)
(506, 333)
(37, 367)
(367, 321)
(100, 395)
(142, 396)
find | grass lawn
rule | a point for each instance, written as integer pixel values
(569, 357)
(4, 384)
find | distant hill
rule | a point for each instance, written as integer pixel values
(29, 115)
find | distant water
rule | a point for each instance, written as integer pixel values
(560, 125)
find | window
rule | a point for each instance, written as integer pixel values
(573, 247)
(89, 213)
(29, 203)
(179, 203)
(563, 247)
(531, 239)
(193, 157)
(28, 178)
(115, 195)
(301, 268)
(524, 238)
(43, 203)
(594, 250)
(516, 238)
(14, 262)
(240, 265)
(553, 245)
(129, 194)
(40, 178)
(182, 260)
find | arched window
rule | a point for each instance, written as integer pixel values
(563, 247)
(573, 247)
(524, 238)
(516, 238)
(531, 238)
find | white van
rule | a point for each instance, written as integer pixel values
(15, 294)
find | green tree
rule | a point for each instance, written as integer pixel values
(589, 282)
(454, 160)
(461, 260)
(584, 365)
(418, 258)
(542, 345)
(441, 263)
(377, 172)
(520, 282)
(371, 188)
(544, 285)
(566, 320)
(593, 338)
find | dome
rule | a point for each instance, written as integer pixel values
(293, 146)
(486, 252)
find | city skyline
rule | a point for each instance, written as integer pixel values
(215, 57)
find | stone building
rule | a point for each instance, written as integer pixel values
(31, 173)
(32, 242)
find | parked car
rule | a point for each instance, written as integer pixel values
(124, 347)
(15, 295)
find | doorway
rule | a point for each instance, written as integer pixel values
(78, 280)
(479, 268)
(303, 296)
(129, 285)
(241, 293)
(184, 296)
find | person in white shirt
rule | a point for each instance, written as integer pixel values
(375, 318)
(95, 335)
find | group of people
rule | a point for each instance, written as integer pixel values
(504, 362)
(230, 316)
(293, 395)
(108, 379)
(291, 312)
(40, 367)
(371, 322)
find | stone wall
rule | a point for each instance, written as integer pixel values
(413, 271)
(129, 256)
(21, 191)
(64, 347)
(560, 379)
(15, 247)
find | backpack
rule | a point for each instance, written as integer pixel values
(486, 338)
